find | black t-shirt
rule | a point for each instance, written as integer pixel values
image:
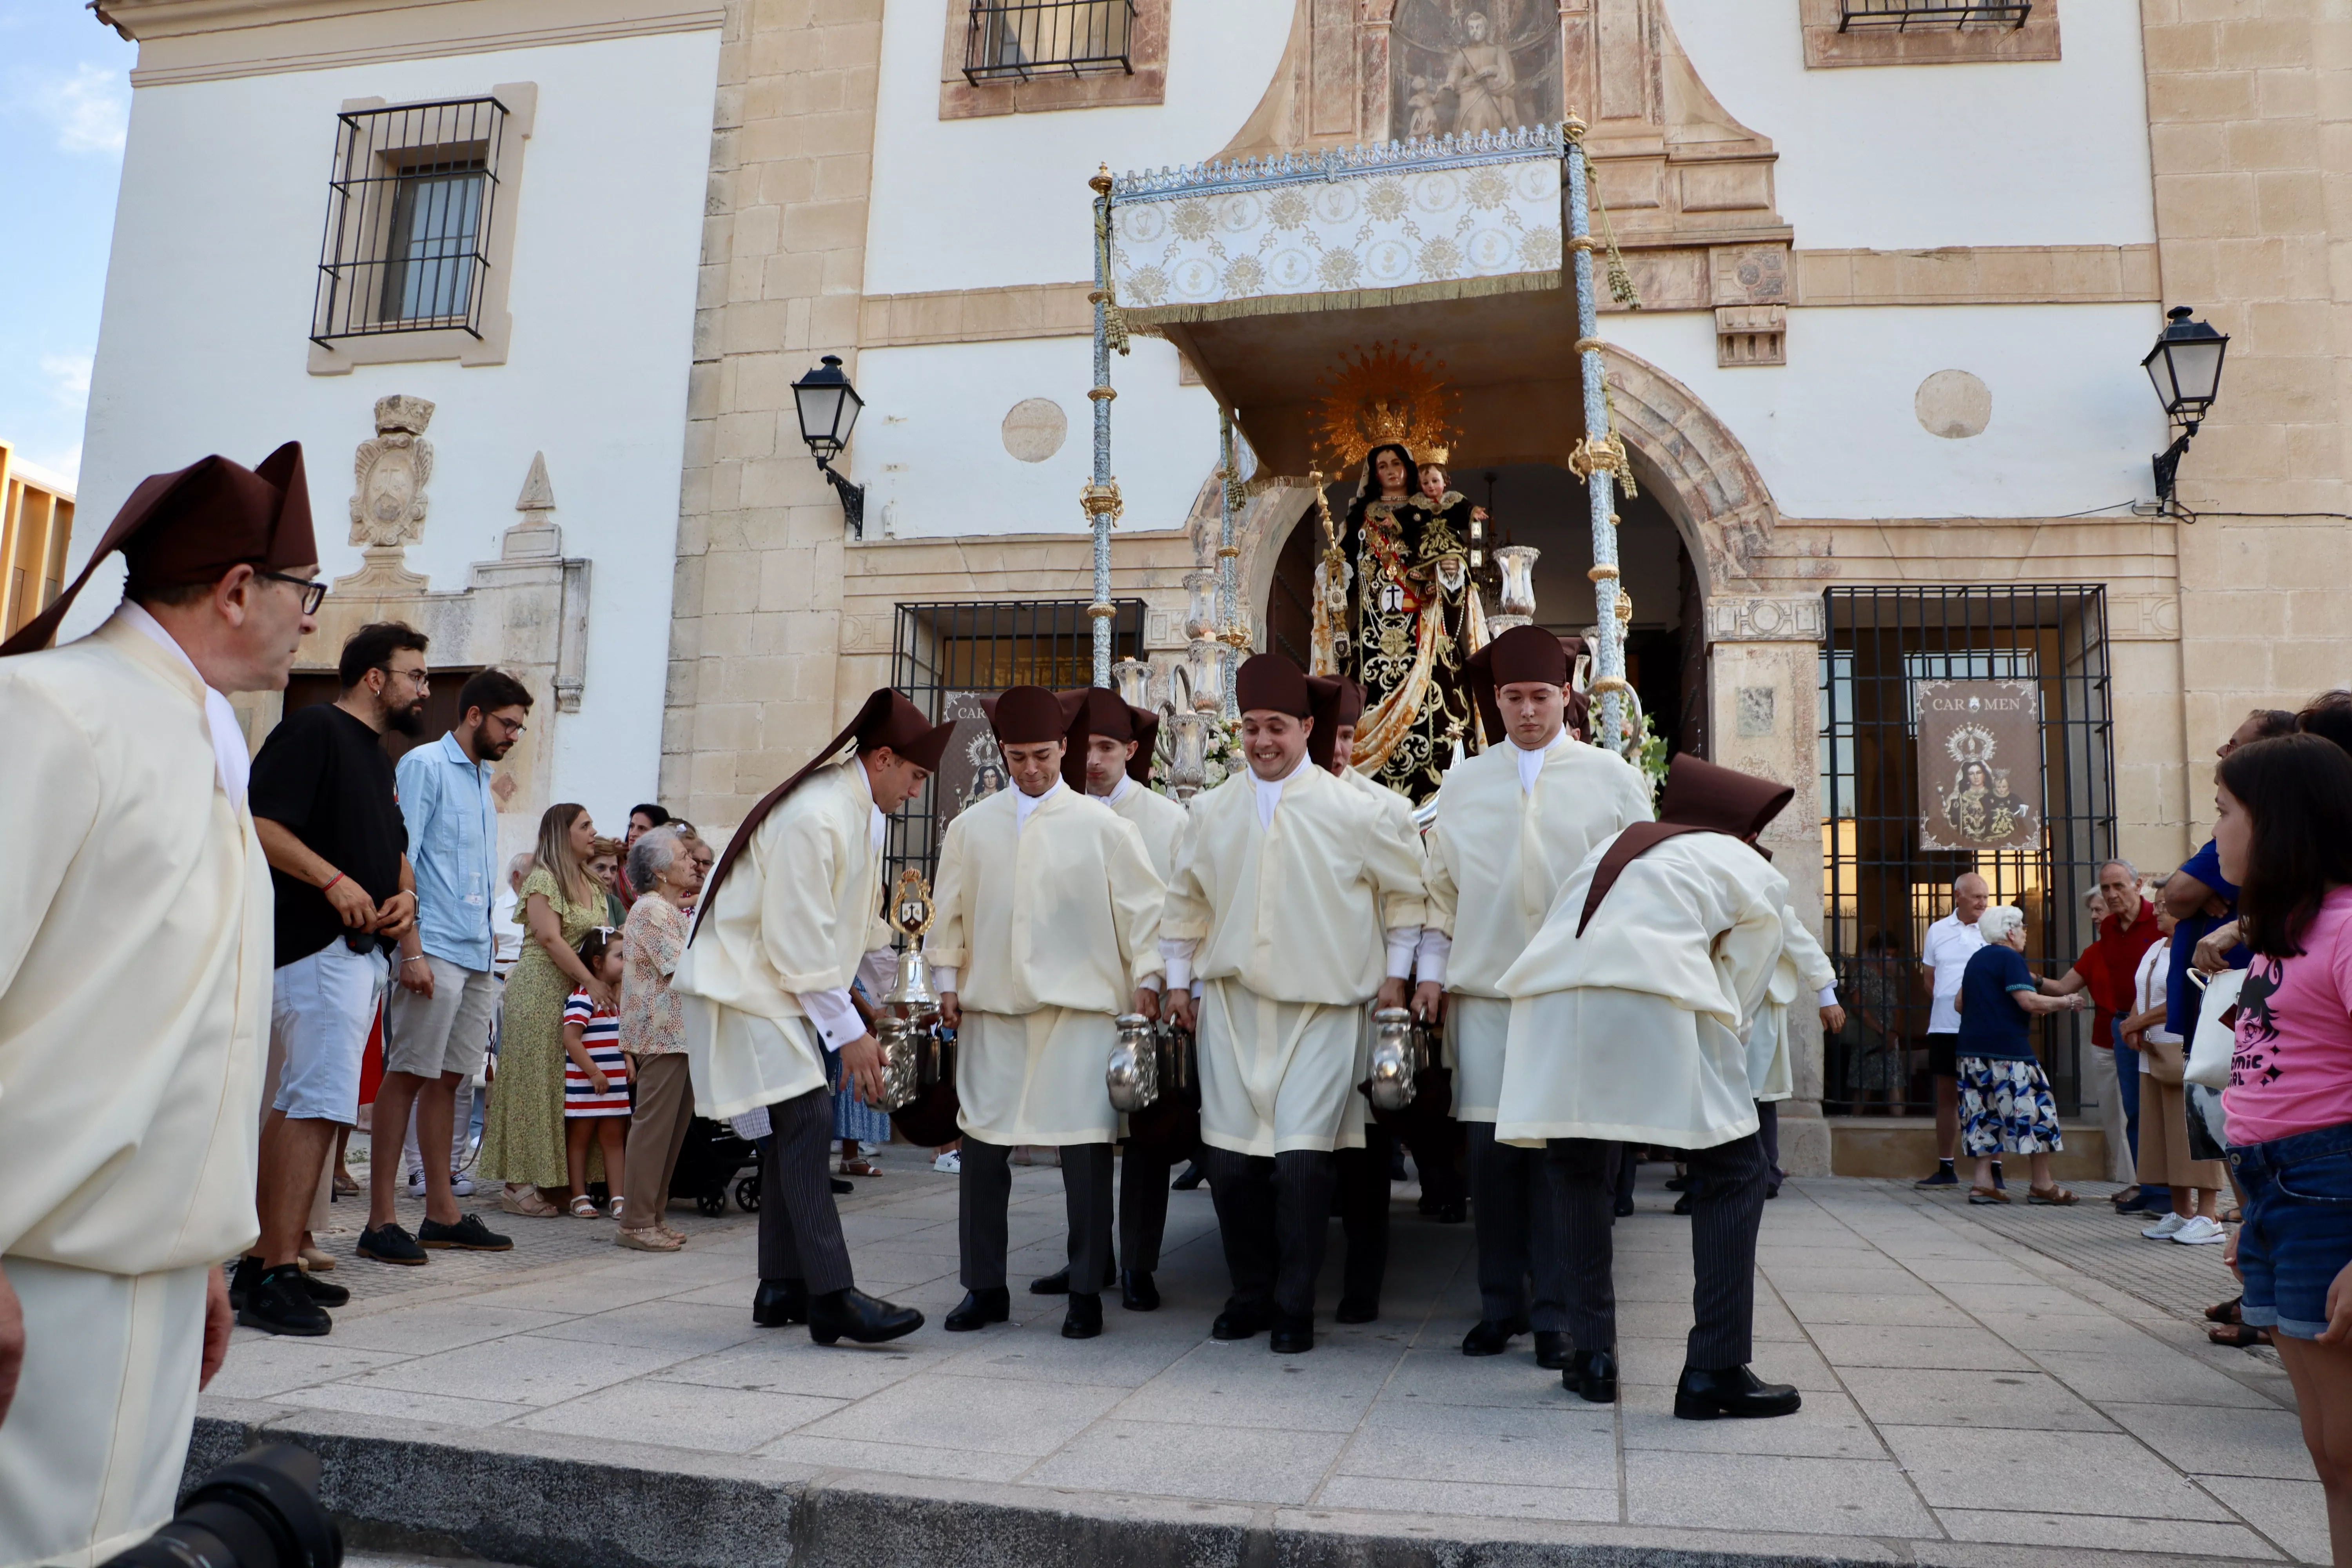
(323, 776)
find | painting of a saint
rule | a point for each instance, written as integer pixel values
(1980, 764)
(1464, 66)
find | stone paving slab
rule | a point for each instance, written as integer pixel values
(1982, 1387)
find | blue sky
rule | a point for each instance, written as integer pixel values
(64, 98)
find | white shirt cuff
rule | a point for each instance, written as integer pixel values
(1177, 955)
(1403, 943)
(1436, 948)
(944, 977)
(834, 1015)
(1826, 996)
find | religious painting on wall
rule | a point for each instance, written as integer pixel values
(973, 769)
(1461, 67)
(1980, 764)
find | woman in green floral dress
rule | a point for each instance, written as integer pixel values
(523, 1126)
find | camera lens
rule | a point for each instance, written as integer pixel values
(261, 1510)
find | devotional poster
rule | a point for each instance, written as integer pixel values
(1980, 764)
(973, 769)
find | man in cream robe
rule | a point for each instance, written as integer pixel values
(1512, 823)
(1629, 1020)
(1048, 929)
(134, 999)
(1802, 969)
(1109, 758)
(1286, 881)
(787, 917)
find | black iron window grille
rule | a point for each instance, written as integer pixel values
(1880, 888)
(409, 219)
(1017, 39)
(1901, 15)
(945, 654)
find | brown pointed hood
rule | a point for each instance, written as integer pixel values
(1091, 711)
(1700, 797)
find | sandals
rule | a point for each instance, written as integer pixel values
(2238, 1336)
(615, 1211)
(2226, 1312)
(860, 1167)
(2053, 1195)
(526, 1201)
(1986, 1195)
(585, 1207)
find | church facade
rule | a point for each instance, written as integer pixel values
(1886, 272)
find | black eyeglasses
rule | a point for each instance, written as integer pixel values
(314, 592)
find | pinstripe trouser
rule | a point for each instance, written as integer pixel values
(1142, 1210)
(1512, 1210)
(984, 1196)
(1727, 1194)
(1363, 1181)
(800, 1229)
(1272, 1215)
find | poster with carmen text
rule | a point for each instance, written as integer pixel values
(1980, 764)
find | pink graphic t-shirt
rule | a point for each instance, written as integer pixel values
(2292, 1070)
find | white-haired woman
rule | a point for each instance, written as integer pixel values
(2006, 1107)
(663, 870)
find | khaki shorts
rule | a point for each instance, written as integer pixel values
(447, 1032)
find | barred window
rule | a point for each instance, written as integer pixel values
(1020, 40)
(1903, 15)
(409, 214)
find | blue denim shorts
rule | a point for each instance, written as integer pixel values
(2298, 1231)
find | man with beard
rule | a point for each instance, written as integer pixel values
(437, 1026)
(1284, 885)
(328, 816)
(1048, 929)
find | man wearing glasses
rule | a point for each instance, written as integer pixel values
(328, 814)
(134, 987)
(437, 1027)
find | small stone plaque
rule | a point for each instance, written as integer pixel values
(1755, 710)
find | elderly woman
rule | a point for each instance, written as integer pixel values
(652, 1031)
(2006, 1107)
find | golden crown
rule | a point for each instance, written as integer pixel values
(1381, 397)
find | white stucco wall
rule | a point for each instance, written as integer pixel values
(930, 445)
(986, 203)
(204, 344)
(1910, 157)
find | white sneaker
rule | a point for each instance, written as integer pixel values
(416, 1184)
(2200, 1232)
(2165, 1229)
(461, 1186)
(949, 1164)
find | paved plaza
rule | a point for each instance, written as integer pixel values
(1981, 1386)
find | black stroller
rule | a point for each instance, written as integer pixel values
(711, 1157)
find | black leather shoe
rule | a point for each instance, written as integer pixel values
(1137, 1293)
(853, 1315)
(1058, 1283)
(978, 1310)
(1491, 1338)
(1292, 1336)
(1553, 1347)
(1191, 1177)
(468, 1234)
(1457, 1212)
(1683, 1204)
(840, 1187)
(780, 1302)
(1239, 1320)
(1593, 1376)
(1623, 1207)
(276, 1303)
(1358, 1310)
(1733, 1391)
(390, 1244)
(1083, 1320)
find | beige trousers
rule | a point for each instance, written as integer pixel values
(91, 1451)
(656, 1131)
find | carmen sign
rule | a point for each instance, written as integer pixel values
(1980, 764)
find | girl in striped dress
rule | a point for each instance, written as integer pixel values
(595, 1076)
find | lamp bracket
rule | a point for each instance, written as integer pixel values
(2167, 464)
(853, 499)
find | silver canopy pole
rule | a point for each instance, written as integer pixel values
(1100, 496)
(1598, 456)
(1232, 631)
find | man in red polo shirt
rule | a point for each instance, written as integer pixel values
(2109, 965)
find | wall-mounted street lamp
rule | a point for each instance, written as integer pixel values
(828, 409)
(2185, 367)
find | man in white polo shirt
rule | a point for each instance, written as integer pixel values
(1951, 942)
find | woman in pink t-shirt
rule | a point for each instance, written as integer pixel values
(2284, 834)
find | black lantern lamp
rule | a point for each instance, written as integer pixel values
(828, 409)
(2185, 367)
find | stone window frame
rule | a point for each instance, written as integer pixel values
(1146, 84)
(341, 355)
(1826, 47)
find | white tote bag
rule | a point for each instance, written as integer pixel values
(2209, 1052)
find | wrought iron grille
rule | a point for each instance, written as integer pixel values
(1900, 16)
(1019, 38)
(944, 651)
(1880, 888)
(409, 219)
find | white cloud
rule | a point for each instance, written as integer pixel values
(69, 378)
(88, 110)
(62, 466)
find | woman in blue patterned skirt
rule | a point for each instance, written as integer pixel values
(2005, 1102)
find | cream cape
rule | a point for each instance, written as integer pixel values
(1296, 910)
(1060, 911)
(135, 952)
(1802, 970)
(1636, 1029)
(1158, 818)
(1278, 1076)
(1493, 858)
(797, 918)
(1035, 1076)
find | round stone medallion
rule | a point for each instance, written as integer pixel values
(1035, 429)
(1954, 404)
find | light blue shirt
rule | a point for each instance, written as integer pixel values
(452, 842)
